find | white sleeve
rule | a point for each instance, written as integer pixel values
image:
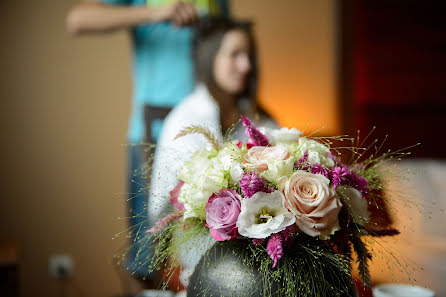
(170, 155)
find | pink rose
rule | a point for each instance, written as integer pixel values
(222, 211)
(257, 156)
(314, 203)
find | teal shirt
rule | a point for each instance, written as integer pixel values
(162, 63)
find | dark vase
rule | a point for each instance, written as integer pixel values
(223, 272)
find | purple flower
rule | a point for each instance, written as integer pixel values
(288, 235)
(344, 175)
(302, 163)
(338, 175)
(251, 183)
(357, 182)
(319, 169)
(304, 158)
(256, 137)
(259, 240)
(334, 158)
(274, 248)
(222, 211)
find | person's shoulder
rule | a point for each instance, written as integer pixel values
(196, 106)
(196, 109)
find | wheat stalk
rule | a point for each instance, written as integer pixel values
(200, 130)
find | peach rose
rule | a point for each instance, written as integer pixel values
(257, 156)
(314, 203)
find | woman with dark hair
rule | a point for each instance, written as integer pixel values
(226, 74)
(226, 63)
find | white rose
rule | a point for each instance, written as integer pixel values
(282, 135)
(357, 205)
(263, 214)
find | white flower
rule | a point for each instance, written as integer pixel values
(356, 203)
(194, 200)
(195, 195)
(212, 179)
(200, 160)
(206, 173)
(236, 172)
(317, 152)
(271, 162)
(263, 214)
(228, 159)
(282, 135)
(257, 157)
(278, 169)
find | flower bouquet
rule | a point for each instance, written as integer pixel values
(287, 207)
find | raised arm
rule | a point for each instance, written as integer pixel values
(97, 17)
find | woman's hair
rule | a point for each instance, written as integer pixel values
(209, 34)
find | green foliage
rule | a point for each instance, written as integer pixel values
(363, 256)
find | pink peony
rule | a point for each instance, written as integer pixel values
(222, 211)
(313, 202)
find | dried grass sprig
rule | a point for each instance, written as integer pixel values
(193, 129)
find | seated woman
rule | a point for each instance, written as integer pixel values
(226, 73)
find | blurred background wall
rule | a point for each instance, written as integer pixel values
(394, 61)
(63, 113)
